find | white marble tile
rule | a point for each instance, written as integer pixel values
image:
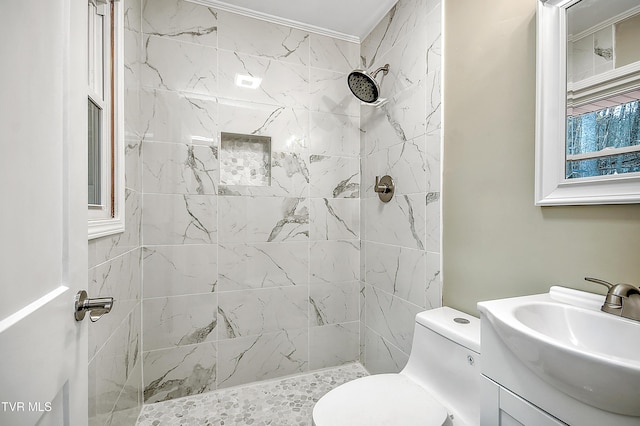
(362, 318)
(433, 289)
(432, 225)
(112, 366)
(252, 312)
(177, 372)
(432, 5)
(132, 56)
(264, 219)
(434, 103)
(133, 165)
(133, 130)
(178, 66)
(179, 117)
(179, 219)
(118, 278)
(434, 39)
(333, 54)
(401, 20)
(104, 330)
(391, 317)
(179, 270)
(288, 128)
(256, 37)
(433, 156)
(401, 221)
(331, 303)
(262, 357)
(133, 351)
(366, 126)
(399, 120)
(330, 93)
(92, 402)
(289, 178)
(404, 162)
(180, 20)
(129, 403)
(603, 50)
(381, 356)
(170, 168)
(132, 15)
(132, 235)
(262, 265)
(179, 320)
(399, 271)
(334, 177)
(334, 219)
(363, 227)
(334, 134)
(582, 55)
(335, 261)
(282, 84)
(407, 63)
(104, 249)
(333, 345)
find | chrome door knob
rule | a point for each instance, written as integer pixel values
(96, 307)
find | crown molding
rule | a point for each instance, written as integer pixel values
(276, 20)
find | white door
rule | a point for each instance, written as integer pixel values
(43, 220)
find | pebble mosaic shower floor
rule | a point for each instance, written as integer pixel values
(287, 401)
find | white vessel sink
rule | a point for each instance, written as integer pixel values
(587, 354)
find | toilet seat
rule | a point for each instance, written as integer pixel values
(383, 399)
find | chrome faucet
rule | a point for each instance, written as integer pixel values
(622, 299)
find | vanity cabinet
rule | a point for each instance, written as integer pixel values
(501, 407)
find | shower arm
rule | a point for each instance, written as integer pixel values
(385, 70)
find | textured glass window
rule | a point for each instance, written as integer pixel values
(95, 144)
(604, 142)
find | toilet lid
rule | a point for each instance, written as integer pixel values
(383, 399)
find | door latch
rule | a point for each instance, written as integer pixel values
(96, 307)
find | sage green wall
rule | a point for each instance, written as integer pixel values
(496, 243)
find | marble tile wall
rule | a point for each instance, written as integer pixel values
(400, 256)
(591, 55)
(115, 351)
(244, 283)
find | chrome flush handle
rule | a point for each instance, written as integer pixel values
(96, 307)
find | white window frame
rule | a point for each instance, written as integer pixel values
(107, 217)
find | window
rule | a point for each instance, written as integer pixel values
(605, 141)
(105, 136)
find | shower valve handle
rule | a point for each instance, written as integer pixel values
(383, 188)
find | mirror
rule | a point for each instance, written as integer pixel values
(588, 102)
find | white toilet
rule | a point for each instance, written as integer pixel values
(440, 384)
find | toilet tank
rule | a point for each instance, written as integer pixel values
(445, 359)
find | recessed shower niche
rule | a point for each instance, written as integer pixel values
(245, 159)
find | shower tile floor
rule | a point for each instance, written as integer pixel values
(280, 402)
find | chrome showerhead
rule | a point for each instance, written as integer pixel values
(364, 86)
